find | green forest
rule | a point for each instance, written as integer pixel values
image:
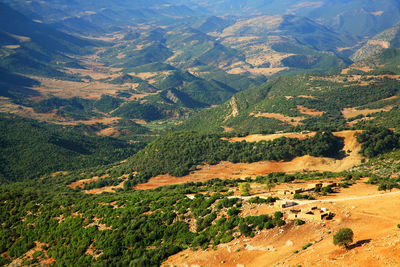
(29, 149)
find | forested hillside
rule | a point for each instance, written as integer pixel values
(30, 149)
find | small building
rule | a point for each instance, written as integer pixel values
(309, 214)
(312, 187)
(296, 191)
(284, 204)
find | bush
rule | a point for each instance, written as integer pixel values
(299, 222)
(245, 189)
(233, 211)
(306, 246)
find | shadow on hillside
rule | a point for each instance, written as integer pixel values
(341, 153)
(359, 243)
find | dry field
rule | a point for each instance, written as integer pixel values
(373, 216)
(69, 89)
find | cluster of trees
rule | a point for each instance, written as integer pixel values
(179, 153)
(376, 141)
(385, 183)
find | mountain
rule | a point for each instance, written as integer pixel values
(357, 17)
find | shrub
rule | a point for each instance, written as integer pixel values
(299, 222)
(306, 246)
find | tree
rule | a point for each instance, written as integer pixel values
(245, 189)
(269, 184)
(245, 229)
(343, 237)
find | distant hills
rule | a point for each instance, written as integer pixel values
(34, 48)
(171, 58)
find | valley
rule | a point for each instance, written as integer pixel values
(198, 133)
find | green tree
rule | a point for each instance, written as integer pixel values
(269, 184)
(343, 237)
(245, 189)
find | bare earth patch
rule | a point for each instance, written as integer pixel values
(309, 111)
(108, 189)
(290, 120)
(81, 183)
(353, 112)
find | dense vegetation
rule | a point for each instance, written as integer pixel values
(140, 228)
(29, 148)
(378, 141)
(178, 153)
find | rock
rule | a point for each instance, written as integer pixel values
(289, 243)
(252, 248)
(239, 265)
(222, 261)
